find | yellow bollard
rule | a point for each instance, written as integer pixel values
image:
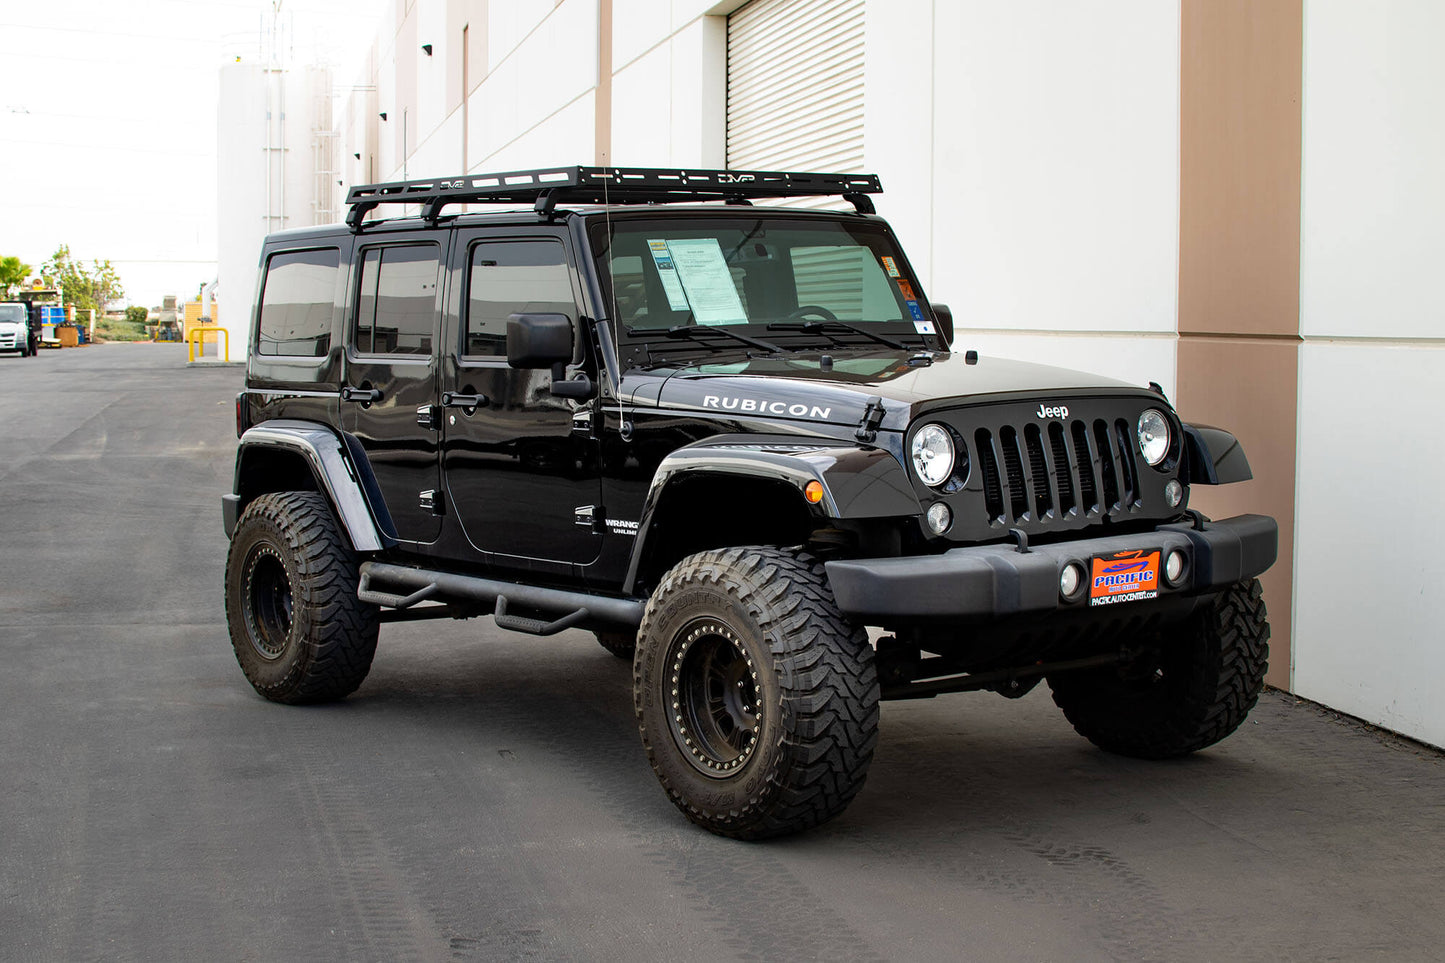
(197, 335)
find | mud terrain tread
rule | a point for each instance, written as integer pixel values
(827, 677)
(334, 632)
(1217, 662)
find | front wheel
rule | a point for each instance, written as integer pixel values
(300, 633)
(1193, 686)
(757, 699)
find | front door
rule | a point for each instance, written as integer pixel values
(390, 391)
(521, 463)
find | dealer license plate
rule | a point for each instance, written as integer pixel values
(1124, 577)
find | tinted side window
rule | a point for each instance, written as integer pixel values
(296, 303)
(513, 277)
(397, 303)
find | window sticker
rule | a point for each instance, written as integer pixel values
(666, 270)
(890, 266)
(915, 310)
(923, 327)
(711, 292)
(907, 290)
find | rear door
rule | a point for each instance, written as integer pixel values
(390, 391)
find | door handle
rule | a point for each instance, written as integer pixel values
(364, 395)
(451, 399)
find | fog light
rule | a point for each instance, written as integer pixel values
(1174, 567)
(1174, 493)
(1070, 579)
(939, 518)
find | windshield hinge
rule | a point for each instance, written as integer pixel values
(872, 418)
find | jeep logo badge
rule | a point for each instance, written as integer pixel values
(1058, 412)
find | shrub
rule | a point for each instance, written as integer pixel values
(136, 314)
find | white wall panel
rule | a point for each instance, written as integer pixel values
(1056, 160)
(554, 66)
(440, 155)
(1374, 152)
(562, 138)
(1369, 580)
(637, 27)
(641, 92)
(898, 124)
(431, 72)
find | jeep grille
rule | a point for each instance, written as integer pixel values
(1045, 471)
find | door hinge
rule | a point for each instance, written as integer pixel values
(590, 515)
(428, 416)
(432, 501)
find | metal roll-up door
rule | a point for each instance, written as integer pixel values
(795, 86)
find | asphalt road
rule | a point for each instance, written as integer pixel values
(484, 795)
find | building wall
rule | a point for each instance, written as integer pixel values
(277, 166)
(1369, 589)
(1239, 252)
(1237, 199)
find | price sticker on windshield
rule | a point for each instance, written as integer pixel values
(1124, 577)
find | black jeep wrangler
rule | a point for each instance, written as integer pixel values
(727, 439)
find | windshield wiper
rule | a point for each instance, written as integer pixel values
(698, 332)
(810, 327)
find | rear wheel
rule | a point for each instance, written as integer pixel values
(757, 699)
(299, 632)
(1194, 685)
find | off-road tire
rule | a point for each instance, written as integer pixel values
(1194, 686)
(299, 632)
(621, 644)
(807, 692)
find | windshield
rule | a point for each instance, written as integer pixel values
(12, 312)
(782, 275)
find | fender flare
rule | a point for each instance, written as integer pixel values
(341, 471)
(857, 481)
(1215, 456)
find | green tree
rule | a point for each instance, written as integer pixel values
(84, 286)
(13, 273)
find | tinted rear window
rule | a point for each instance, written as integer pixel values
(297, 302)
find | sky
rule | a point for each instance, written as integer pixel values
(108, 123)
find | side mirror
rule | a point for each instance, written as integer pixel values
(538, 340)
(945, 322)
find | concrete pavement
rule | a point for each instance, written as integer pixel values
(484, 795)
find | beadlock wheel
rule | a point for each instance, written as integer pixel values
(299, 631)
(756, 698)
(268, 602)
(716, 714)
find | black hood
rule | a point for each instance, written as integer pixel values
(801, 387)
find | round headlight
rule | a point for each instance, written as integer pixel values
(1153, 436)
(932, 451)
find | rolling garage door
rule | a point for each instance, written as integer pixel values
(795, 86)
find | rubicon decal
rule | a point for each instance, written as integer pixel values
(1125, 577)
(762, 406)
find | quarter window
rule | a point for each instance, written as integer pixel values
(296, 304)
(397, 302)
(513, 277)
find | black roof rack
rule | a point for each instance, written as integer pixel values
(608, 185)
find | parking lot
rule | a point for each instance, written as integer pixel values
(484, 795)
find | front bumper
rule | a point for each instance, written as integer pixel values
(998, 580)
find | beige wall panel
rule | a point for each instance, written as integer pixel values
(1239, 198)
(1250, 387)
